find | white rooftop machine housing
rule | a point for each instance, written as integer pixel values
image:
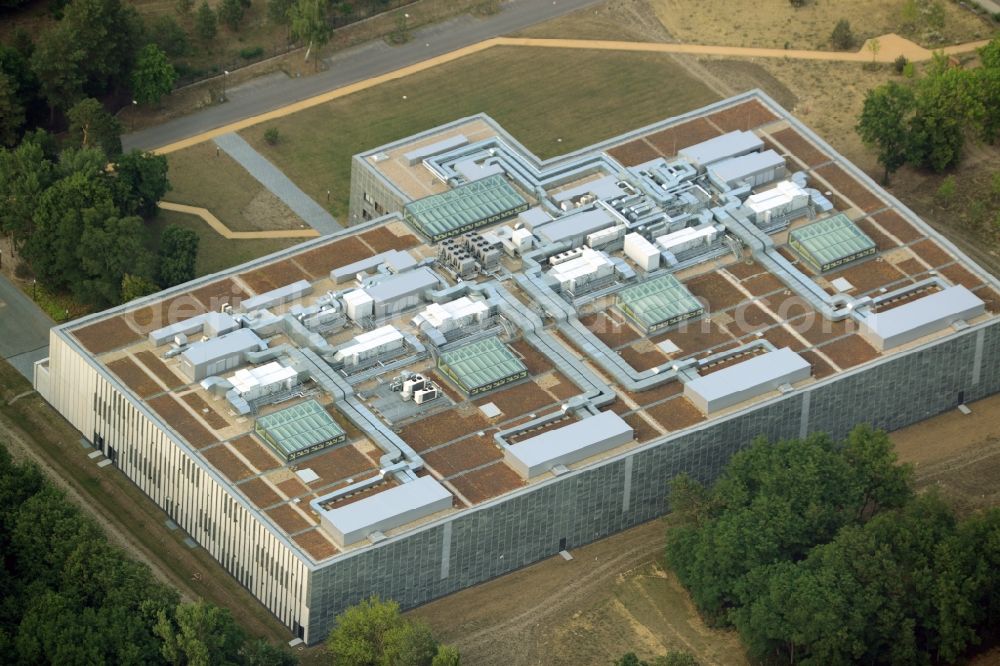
(383, 511)
(453, 314)
(749, 379)
(687, 238)
(567, 445)
(914, 320)
(367, 345)
(253, 383)
(782, 199)
(588, 266)
(642, 252)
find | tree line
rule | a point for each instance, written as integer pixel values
(97, 49)
(820, 552)
(67, 596)
(76, 215)
(70, 597)
(925, 121)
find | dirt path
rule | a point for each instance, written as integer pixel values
(890, 47)
(224, 231)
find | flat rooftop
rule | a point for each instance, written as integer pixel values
(744, 302)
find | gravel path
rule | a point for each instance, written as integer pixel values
(278, 183)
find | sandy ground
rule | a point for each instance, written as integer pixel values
(612, 597)
(957, 454)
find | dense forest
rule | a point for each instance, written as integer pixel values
(821, 552)
(70, 597)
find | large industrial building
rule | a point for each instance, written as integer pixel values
(505, 357)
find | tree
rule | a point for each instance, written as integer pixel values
(136, 286)
(873, 582)
(774, 502)
(884, 125)
(63, 212)
(308, 21)
(25, 174)
(153, 76)
(184, 7)
(258, 652)
(90, 126)
(447, 655)
(109, 33)
(140, 182)
(167, 34)
(278, 10)
(874, 46)
(231, 13)
(987, 83)
(676, 658)
(110, 248)
(945, 104)
(200, 634)
(11, 112)
(177, 255)
(21, 86)
(672, 658)
(989, 55)
(59, 66)
(374, 632)
(842, 38)
(205, 22)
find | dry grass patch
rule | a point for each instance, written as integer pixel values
(775, 23)
(204, 176)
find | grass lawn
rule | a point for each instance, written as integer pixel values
(216, 253)
(209, 178)
(539, 95)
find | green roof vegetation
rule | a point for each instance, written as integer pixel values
(832, 242)
(467, 207)
(299, 430)
(482, 365)
(658, 303)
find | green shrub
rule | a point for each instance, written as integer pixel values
(842, 38)
(900, 63)
(251, 52)
(272, 136)
(945, 194)
(22, 271)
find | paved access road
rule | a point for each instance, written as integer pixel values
(355, 64)
(24, 329)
